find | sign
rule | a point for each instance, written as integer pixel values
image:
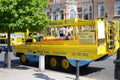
(101, 30)
(62, 22)
(86, 37)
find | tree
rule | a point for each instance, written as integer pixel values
(19, 15)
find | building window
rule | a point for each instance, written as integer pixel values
(100, 9)
(90, 15)
(79, 9)
(72, 14)
(48, 14)
(79, 16)
(56, 1)
(54, 16)
(69, 0)
(90, 8)
(61, 14)
(117, 7)
(86, 15)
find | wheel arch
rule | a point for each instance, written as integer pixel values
(81, 62)
(18, 54)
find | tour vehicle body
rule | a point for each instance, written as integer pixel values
(65, 41)
(16, 39)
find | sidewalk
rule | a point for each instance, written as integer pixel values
(34, 74)
(20, 72)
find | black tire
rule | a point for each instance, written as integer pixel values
(54, 62)
(23, 59)
(65, 65)
(118, 54)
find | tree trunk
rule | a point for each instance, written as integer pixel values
(7, 54)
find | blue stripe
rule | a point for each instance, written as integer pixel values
(4, 48)
(81, 63)
(32, 57)
(35, 58)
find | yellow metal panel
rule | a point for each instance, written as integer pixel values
(86, 37)
(62, 22)
(101, 50)
(71, 51)
(85, 44)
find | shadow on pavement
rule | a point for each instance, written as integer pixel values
(42, 76)
(89, 70)
(83, 71)
(2, 64)
(15, 64)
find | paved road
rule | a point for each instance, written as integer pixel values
(102, 70)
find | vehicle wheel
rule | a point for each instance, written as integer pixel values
(54, 63)
(65, 65)
(23, 59)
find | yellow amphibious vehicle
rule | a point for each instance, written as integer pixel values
(16, 39)
(64, 41)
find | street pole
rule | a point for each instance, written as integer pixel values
(77, 69)
(8, 54)
(93, 9)
(5, 59)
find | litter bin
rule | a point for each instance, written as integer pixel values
(117, 66)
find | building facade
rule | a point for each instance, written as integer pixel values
(83, 9)
(65, 9)
(109, 7)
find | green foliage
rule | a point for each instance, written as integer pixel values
(19, 15)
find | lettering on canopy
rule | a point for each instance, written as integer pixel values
(62, 22)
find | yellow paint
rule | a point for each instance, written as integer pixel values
(65, 64)
(85, 44)
(23, 58)
(53, 62)
(16, 38)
